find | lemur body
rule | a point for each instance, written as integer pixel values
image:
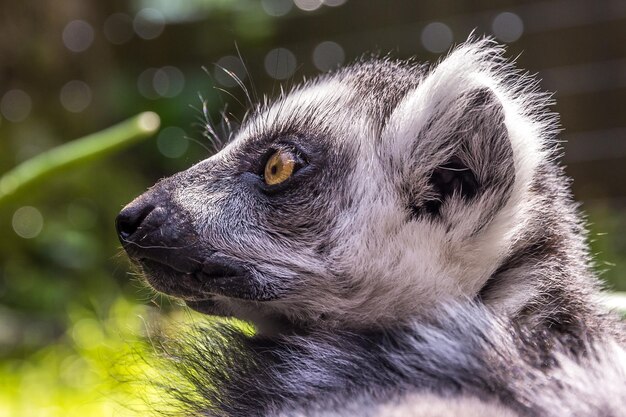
(402, 226)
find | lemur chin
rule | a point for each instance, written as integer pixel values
(401, 235)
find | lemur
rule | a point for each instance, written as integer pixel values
(405, 243)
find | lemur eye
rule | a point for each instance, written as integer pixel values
(279, 167)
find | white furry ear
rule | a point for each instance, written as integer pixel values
(464, 146)
(468, 138)
(462, 154)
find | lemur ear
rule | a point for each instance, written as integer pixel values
(469, 151)
(467, 140)
(453, 147)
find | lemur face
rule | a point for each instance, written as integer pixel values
(366, 196)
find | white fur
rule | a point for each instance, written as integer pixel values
(431, 405)
(409, 268)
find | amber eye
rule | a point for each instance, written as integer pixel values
(279, 167)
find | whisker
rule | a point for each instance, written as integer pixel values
(238, 82)
(205, 118)
(158, 247)
(209, 131)
(248, 74)
(206, 148)
(230, 94)
(226, 126)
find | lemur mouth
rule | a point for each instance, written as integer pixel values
(200, 283)
(159, 236)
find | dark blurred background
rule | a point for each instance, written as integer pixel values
(72, 67)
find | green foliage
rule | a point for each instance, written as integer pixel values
(85, 372)
(607, 236)
(103, 364)
(78, 373)
(80, 151)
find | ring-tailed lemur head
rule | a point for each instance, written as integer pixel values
(363, 197)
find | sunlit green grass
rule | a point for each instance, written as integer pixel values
(94, 370)
(100, 367)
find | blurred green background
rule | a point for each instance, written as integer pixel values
(70, 312)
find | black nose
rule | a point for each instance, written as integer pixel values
(130, 218)
(155, 231)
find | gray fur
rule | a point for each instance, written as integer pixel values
(418, 188)
(466, 352)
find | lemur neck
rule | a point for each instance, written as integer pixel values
(546, 280)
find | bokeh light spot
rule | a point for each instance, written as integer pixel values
(149, 23)
(145, 84)
(149, 121)
(75, 96)
(172, 142)
(280, 63)
(507, 27)
(15, 105)
(277, 7)
(78, 35)
(118, 28)
(231, 64)
(437, 37)
(168, 81)
(27, 222)
(308, 5)
(328, 55)
(87, 333)
(334, 3)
